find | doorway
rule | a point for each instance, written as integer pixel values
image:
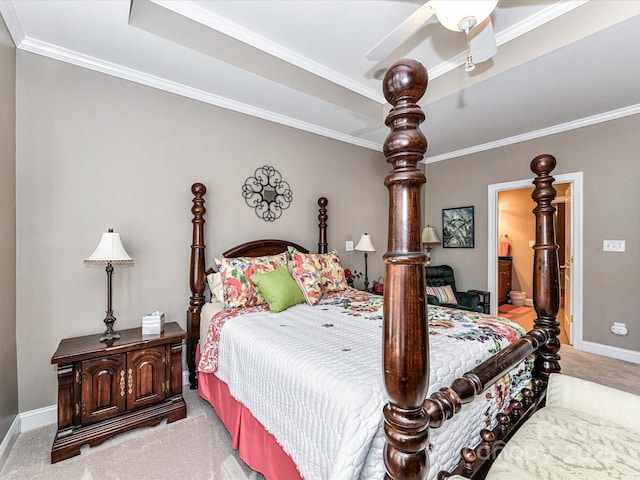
(570, 317)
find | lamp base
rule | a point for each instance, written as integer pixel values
(109, 336)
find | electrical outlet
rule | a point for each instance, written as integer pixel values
(619, 328)
(613, 245)
(349, 246)
(532, 243)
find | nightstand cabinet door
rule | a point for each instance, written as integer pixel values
(146, 377)
(108, 388)
(103, 388)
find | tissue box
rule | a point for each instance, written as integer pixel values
(153, 323)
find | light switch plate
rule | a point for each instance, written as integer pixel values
(349, 246)
(613, 245)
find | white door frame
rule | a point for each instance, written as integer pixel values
(576, 238)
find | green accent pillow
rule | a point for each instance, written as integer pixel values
(278, 288)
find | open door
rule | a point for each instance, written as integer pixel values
(567, 323)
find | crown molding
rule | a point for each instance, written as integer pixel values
(12, 20)
(113, 69)
(534, 21)
(560, 128)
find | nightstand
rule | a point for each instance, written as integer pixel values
(108, 388)
(485, 300)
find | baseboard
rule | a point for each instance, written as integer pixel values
(612, 352)
(9, 440)
(528, 302)
(41, 417)
(38, 418)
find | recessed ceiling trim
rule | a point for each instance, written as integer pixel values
(534, 21)
(227, 27)
(109, 68)
(12, 20)
(562, 127)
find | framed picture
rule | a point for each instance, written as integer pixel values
(457, 227)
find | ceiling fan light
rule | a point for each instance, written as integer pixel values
(454, 15)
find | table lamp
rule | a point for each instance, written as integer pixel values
(110, 252)
(365, 245)
(429, 237)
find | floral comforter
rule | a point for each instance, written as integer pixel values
(322, 366)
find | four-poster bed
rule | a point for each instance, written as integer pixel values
(408, 419)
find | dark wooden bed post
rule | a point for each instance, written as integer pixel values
(196, 280)
(546, 285)
(406, 338)
(322, 225)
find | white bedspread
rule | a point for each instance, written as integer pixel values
(312, 377)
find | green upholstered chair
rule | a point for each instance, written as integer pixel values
(441, 276)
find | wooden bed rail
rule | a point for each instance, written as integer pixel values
(445, 403)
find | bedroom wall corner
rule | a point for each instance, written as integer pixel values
(8, 358)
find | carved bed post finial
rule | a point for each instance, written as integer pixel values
(406, 342)
(322, 226)
(546, 300)
(196, 279)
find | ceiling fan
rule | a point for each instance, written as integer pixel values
(471, 17)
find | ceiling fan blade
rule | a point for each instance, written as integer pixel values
(401, 33)
(482, 41)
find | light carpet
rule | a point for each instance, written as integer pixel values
(197, 447)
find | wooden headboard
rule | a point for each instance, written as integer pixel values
(258, 248)
(198, 271)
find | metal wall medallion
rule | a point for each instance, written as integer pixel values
(267, 193)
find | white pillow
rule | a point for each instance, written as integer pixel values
(215, 285)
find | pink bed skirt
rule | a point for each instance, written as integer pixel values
(256, 447)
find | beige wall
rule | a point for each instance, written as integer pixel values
(608, 155)
(8, 375)
(95, 152)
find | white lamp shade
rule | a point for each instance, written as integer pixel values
(110, 250)
(429, 235)
(451, 14)
(365, 244)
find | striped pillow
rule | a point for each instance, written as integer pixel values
(443, 294)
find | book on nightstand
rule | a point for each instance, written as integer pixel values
(153, 323)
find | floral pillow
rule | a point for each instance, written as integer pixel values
(443, 294)
(239, 290)
(304, 272)
(317, 274)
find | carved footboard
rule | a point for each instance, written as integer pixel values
(407, 416)
(542, 340)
